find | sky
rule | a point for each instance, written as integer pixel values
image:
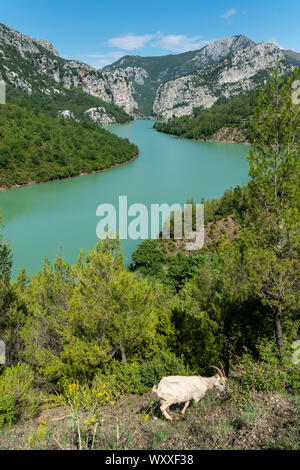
(99, 32)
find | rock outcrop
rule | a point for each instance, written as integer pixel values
(147, 73)
(34, 66)
(240, 72)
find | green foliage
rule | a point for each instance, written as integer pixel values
(147, 258)
(82, 317)
(74, 99)
(38, 147)
(120, 378)
(139, 377)
(206, 122)
(272, 223)
(270, 374)
(181, 268)
(17, 396)
(164, 364)
(9, 410)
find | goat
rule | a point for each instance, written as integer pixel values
(180, 389)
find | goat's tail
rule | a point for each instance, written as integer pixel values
(154, 389)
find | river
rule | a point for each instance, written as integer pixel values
(60, 217)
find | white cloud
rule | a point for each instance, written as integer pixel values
(229, 13)
(179, 42)
(129, 42)
(100, 60)
(273, 40)
(172, 43)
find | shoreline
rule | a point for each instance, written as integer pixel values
(31, 183)
(216, 141)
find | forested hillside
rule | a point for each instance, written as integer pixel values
(37, 147)
(74, 100)
(204, 123)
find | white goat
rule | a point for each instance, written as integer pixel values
(179, 389)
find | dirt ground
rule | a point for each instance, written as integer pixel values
(265, 421)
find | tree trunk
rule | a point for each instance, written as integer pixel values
(227, 365)
(278, 330)
(124, 358)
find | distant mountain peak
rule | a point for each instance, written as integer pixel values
(150, 72)
(24, 43)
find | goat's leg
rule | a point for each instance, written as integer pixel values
(182, 412)
(164, 409)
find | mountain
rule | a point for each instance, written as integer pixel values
(128, 87)
(239, 73)
(34, 66)
(292, 56)
(147, 73)
(225, 121)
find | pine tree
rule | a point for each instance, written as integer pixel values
(272, 232)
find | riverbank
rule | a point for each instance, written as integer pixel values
(225, 135)
(31, 183)
(229, 135)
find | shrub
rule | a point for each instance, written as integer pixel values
(136, 377)
(9, 410)
(270, 374)
(17, 396)
(148, 258)
(167, 363)
(121, 378)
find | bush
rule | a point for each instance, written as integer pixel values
(136, 377)
(148, 258)
(120, 378)
(9, 410)
(270, 374)
(17, 396)
(167, 363)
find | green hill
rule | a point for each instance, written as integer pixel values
(75, 100)
(37, 147)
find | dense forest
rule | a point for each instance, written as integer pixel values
(80, 337)
(38, 147)
(74, 99)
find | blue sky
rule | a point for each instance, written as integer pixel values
(101, 31)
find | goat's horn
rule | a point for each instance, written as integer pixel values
(224, 375)
(217, 368)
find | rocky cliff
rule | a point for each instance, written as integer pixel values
(242, 71)
(33, 65)
(169, 85)
(147, 73)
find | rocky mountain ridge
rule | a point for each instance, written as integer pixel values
(168, 85)
(147, 73)
(239, 73)
(33, 65)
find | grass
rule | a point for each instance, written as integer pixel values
(265, 421)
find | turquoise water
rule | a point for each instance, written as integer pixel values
(60, 217)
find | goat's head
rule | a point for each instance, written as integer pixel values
(220, 382)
